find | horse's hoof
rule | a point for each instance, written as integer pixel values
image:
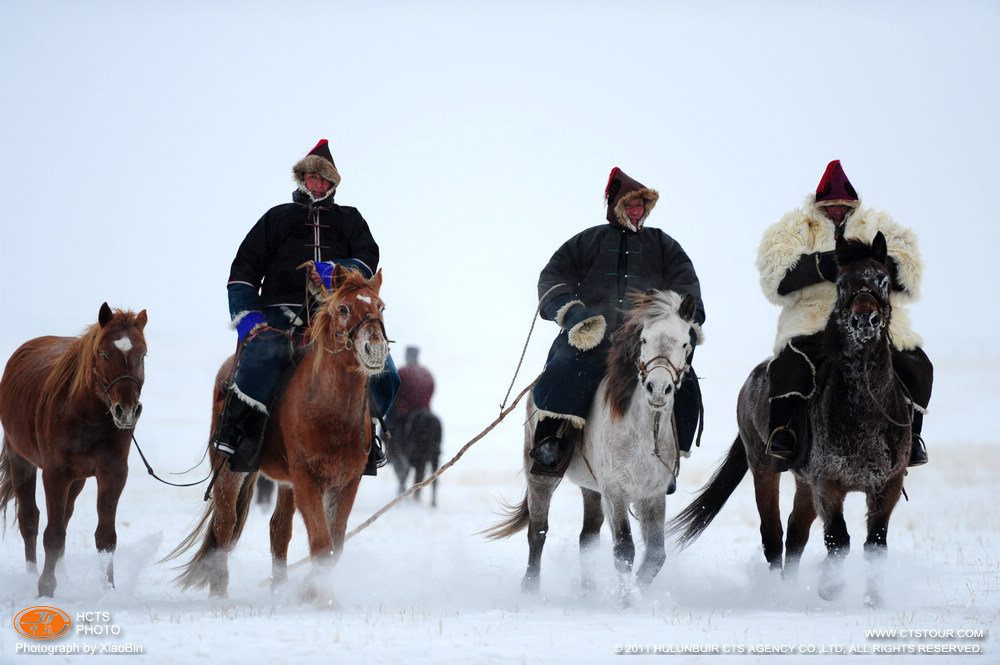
(831, 589)
(530, 584)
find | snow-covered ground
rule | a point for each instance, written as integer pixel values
(421, 586)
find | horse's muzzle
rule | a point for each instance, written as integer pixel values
(125, 417)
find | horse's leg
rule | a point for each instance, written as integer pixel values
(540, 489)
(799, 521)
(590, 535)
(651, 512)
(224, 496)
(880, 507)
(110, 484)
(830, 506)
(54, 539)
(617, 505)
(765, 487)
(281, 534)
(434, 485)
(338, 517)
(23, 475)
(419, 472)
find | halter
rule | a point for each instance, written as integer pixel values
(663, 362)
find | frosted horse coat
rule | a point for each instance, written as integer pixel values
(859, 420)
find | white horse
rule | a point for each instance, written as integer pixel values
(628, 453)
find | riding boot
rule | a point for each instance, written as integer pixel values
(230, 428)
(376, 455)
(240, 432)
(918, 450)
(551, 450)
(781, 444)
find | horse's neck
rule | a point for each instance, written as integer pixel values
(334, 374)
(864, 372)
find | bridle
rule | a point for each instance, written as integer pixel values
(884, 310)
(106, 385)
(662, 362)
(347, 337)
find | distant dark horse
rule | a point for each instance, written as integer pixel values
(68, 406)
(860, 431)
(415, 444)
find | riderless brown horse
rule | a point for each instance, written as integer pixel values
(68, 407)
(316, 444)
(859, 422)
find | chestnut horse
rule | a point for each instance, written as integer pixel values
(68, 407)
(859, 422)
(316, 444)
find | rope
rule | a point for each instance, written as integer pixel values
(534, 319)
(364, 525)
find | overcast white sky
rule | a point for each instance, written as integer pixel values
(140, 142)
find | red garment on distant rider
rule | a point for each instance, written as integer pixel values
(415, 389)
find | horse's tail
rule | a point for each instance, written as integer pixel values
(201, 569)
(6, 483)
(694, 519)
(516, 520)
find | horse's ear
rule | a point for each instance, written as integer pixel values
(687, 308)
(880, 252)
(140, 320)
(376, 281)
(337, 278)
(105, 315)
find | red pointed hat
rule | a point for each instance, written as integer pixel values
(621, 188)
(835, 188)
(319, 160)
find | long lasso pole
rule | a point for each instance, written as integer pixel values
(364, 525)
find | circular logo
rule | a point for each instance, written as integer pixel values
(41, 622)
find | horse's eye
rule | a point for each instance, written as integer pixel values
(104, 355)
(642, 340)
(343, 309)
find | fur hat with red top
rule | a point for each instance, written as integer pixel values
(835, 188)
(319, 161)
(620, 189)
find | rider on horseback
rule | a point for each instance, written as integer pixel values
(798, 271)
(267, 296)
(583, 290)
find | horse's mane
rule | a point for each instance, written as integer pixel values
(622, 372)
(70, 373)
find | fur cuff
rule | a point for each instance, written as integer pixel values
(588, 333)
(564, 310)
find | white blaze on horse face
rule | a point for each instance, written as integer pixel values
(365, 299)
(124, 345)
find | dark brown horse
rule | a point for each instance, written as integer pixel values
(316, 444)
(860, 431)
(68, 407)
(415, 444)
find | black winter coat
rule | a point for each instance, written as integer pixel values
(287, 236)
(598, 266)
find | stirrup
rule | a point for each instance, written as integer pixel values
(920, 448)
(782, 455)
(781, 461)
(223, 448)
